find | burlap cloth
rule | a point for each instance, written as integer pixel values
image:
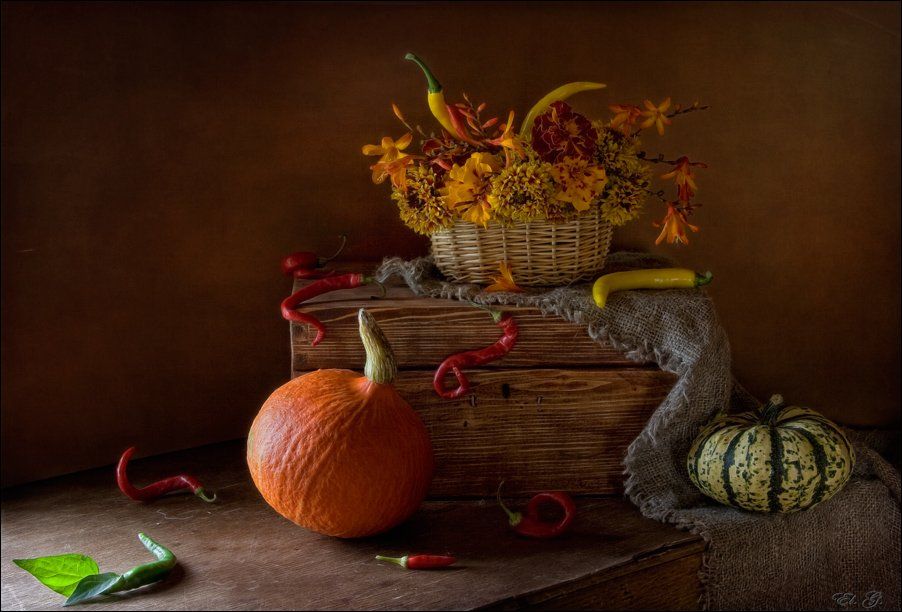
(844, 551)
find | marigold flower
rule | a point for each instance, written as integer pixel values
(579, 182)
(560, 133)
(468, 186)
(656, 115)
(685, 179)
(625, 116)
(523, 191)
(421, 206)
(674, 226)
(504, 281)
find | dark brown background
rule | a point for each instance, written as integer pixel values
(159, 159)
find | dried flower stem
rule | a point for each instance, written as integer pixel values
(659, 159)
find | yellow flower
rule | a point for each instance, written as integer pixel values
(390, 150)
(468, 186)
(390, 163)
(656, 115)
(674, 226)
(504, 281)
(478, 213)
(579, 182)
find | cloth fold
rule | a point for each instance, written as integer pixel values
(847, 547)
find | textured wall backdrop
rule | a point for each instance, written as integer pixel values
(158, 159)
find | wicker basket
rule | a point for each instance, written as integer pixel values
(538, 252)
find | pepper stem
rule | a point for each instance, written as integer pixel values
(513, 518)
(772, 409)
(324, 260)
(434, 85)
(402, 561)
(496, 314)
(703, 279)
(204, 495)
(380, 366)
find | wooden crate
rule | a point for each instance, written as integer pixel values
(558, 412)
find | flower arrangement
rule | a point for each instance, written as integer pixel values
(557, 166)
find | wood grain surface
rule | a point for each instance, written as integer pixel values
(536, 429)
(423, 331)
(238, 554)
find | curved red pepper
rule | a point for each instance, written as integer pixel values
(474, 358)
(324, 285)
(157, 489)
(531, 525)
(304, 264)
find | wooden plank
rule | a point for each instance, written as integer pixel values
(668, 580)
(237, 554)
(423, 331)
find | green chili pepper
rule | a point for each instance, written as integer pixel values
(141, 575)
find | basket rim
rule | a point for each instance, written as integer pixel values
(492, 224)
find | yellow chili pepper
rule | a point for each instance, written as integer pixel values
(661, 278)
(561, 93)
(434, 97)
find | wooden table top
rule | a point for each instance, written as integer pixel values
(238, 554)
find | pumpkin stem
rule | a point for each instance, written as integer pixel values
(381, 366)
(772, 409)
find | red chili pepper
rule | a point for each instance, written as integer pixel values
(304, 264)
(420, 562)
(531, 524)
(324, 285)
(475, 358)
(157, 489)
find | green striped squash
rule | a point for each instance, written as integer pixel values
(782, 459)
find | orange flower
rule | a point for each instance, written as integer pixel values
(508, 139)
(674, 226)
(389, 149)
(393, 162)
(504, 281)
(625, 116)
(685, 179)
(396, 170)
(656, 115)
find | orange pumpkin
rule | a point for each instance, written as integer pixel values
(339, 453)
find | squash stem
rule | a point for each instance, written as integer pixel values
(772, 409)
(381, 366)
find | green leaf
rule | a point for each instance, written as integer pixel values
(59, 572)
(92, 586)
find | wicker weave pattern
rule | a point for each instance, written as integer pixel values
(538, 252)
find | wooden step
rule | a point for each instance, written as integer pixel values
(238, 554)
(423, 331)
(558, 412)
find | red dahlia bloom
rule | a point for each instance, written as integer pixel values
(560, 133)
